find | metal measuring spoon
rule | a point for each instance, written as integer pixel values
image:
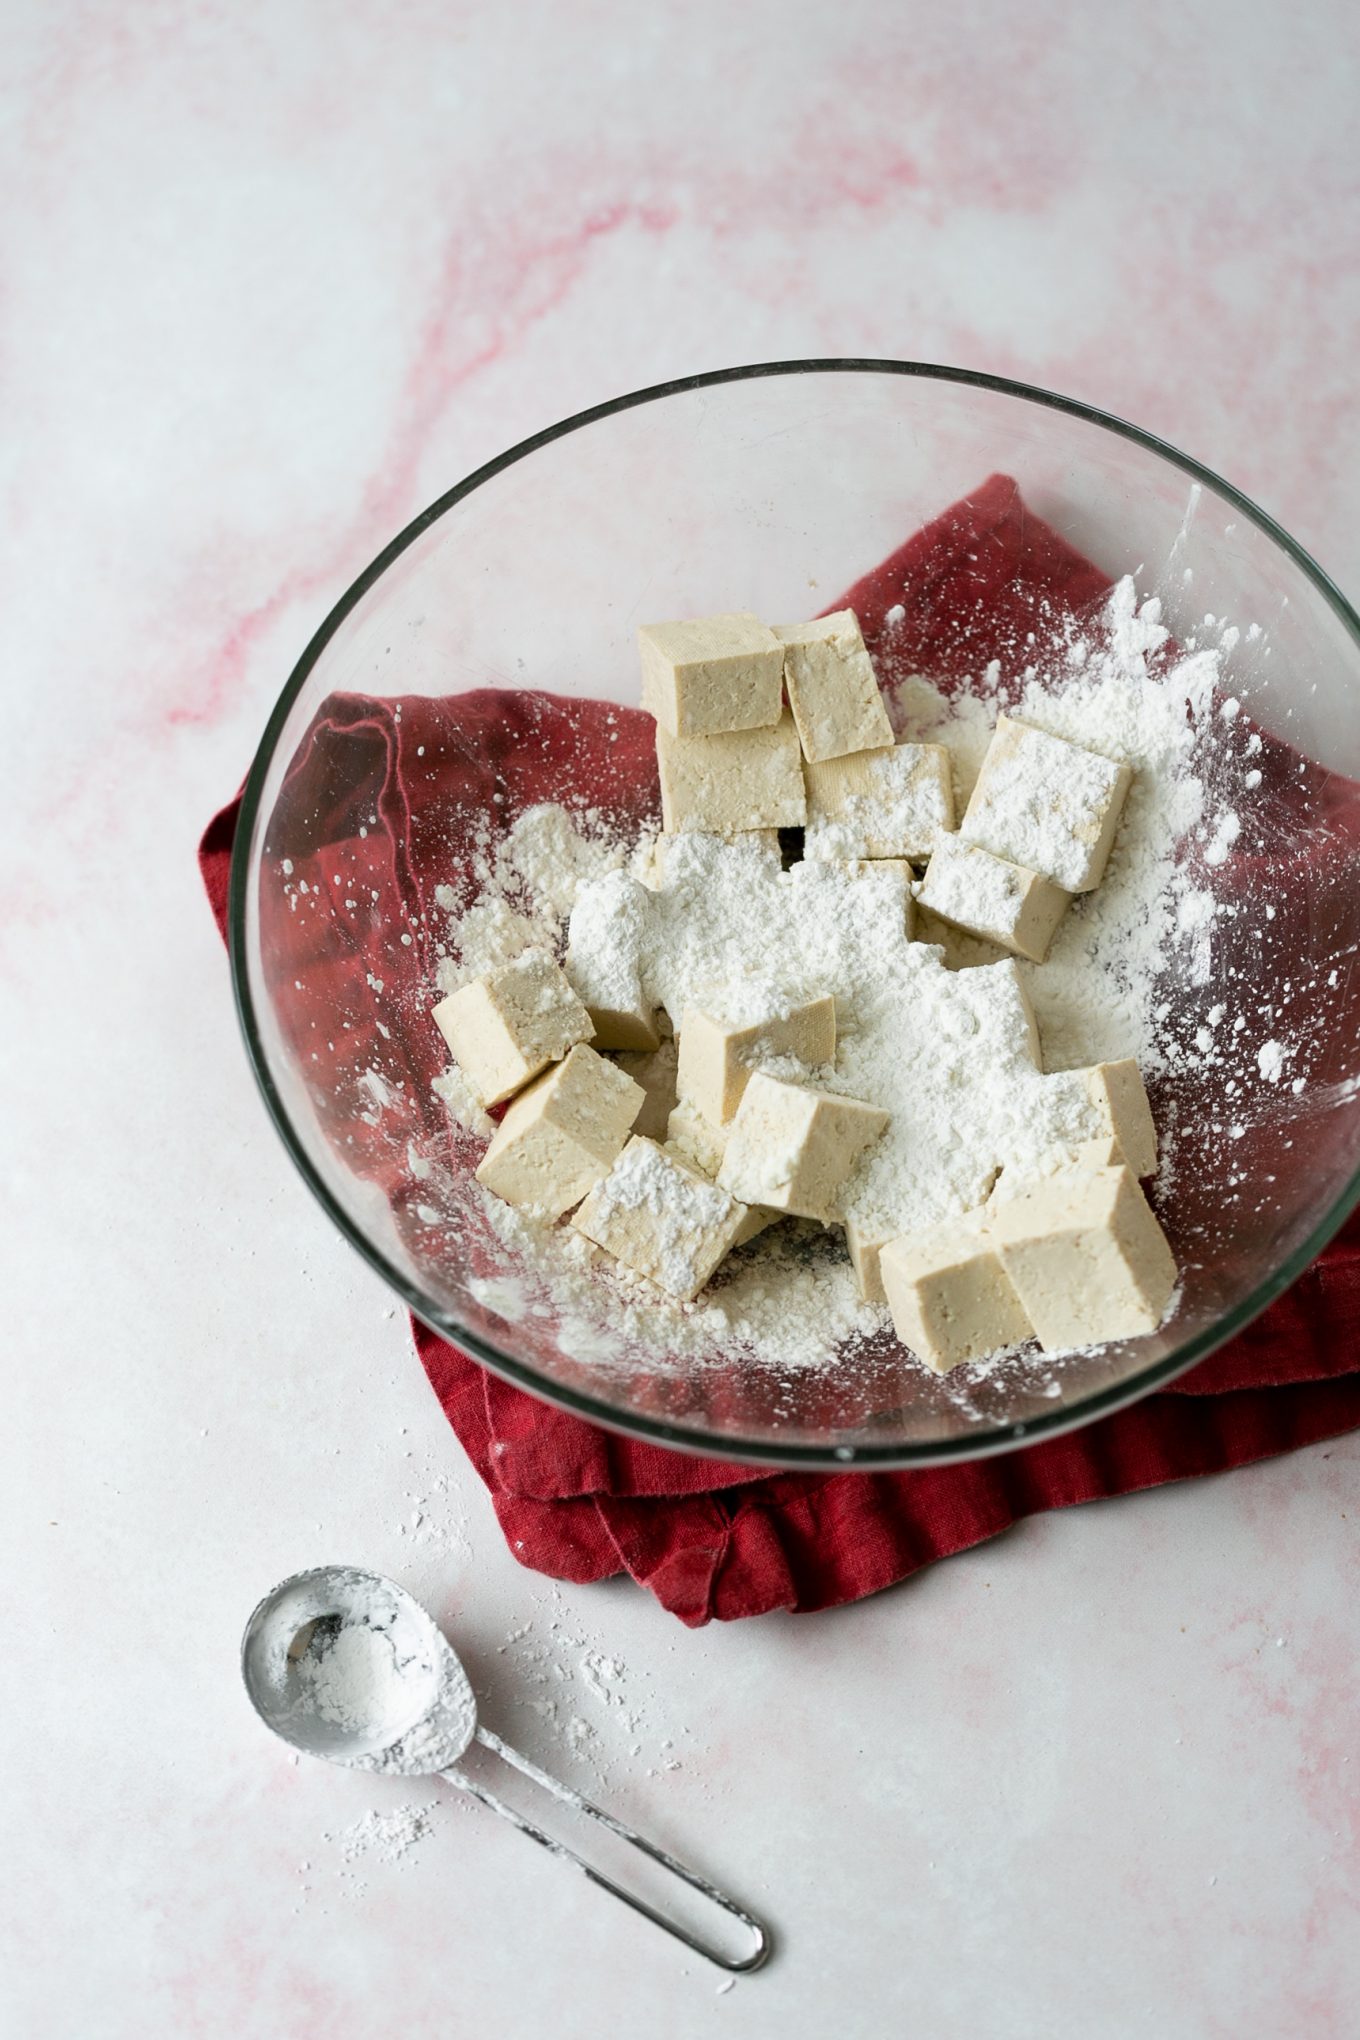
(406, 1708)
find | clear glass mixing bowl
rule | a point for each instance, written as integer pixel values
(773, 488)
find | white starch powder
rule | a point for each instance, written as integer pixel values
(946, 1050)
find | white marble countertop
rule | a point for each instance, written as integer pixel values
(274, 276)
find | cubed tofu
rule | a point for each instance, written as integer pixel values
(1018, 1177)
(791, 1148)
(748, 779)
(604, 949)
(988, 896)
(1116, 1090)
(1104, 1153)
(716, 1060)
(1048, 805)
(962, 951)
(656, 1074)
(561, 1134)
(1108, 1122)
(832, 689)
(690, 1137)
(950, 1295)
(1086, 1257)
(506, 1026)
(695, 1139)
(892, 803)
(711, 674)
(757, 1219)
(896, 877)
(866, 1242)
(661, 1219)
(651, 869)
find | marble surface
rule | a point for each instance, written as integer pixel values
(273, 277)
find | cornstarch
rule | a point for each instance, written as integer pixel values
(937, 1031)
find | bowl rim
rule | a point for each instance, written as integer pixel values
(678, 1436)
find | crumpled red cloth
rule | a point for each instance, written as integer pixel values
(710, 1539)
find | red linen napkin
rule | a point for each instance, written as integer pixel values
(711, 1539)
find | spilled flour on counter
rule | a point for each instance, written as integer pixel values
(934, 1030)
(568, 1701)
(390, 1836)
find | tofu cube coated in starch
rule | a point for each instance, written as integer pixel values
(890, 803)
(1109, 1106)
(1018, 1177)
(989, 896)
(716, 1061)
(506, 1026)
(561, 1134)
(791, 1148)
(896, 879)
(1048, 805)
(661, 1219)
(691, 1138)
(712, 673)
(762, 843)
(832, 689)
(746, 779)
(1086, 1257)
(695, 1139)
(950, 1295)
(603, 963)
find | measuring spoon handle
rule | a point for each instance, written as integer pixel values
(737, 1965)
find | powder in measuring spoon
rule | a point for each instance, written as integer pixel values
(348, 1675)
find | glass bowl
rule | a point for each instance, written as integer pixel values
(771, 488)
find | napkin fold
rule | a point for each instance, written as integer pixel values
(713, 1540)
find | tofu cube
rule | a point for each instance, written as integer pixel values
(832, 689)
(661, 1219)
(986, 895)
(747, 779)
(1012, 991)
(1107, 1120)
(756, 1220)
(562, 1134)
(651, 868)
(892, 803)
(1048, 805)
(866, 1242)
(656, 1074)
(1104, 1153)
(711, 674)
(695, 1139)
(604, 948)
(961, 950)
(950, 1295)
(716, 1060)
(791, 1148)
(1116, 1090)
(1018, 1177)
(1086, 1257)
(896, 879)
(506, 1026)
